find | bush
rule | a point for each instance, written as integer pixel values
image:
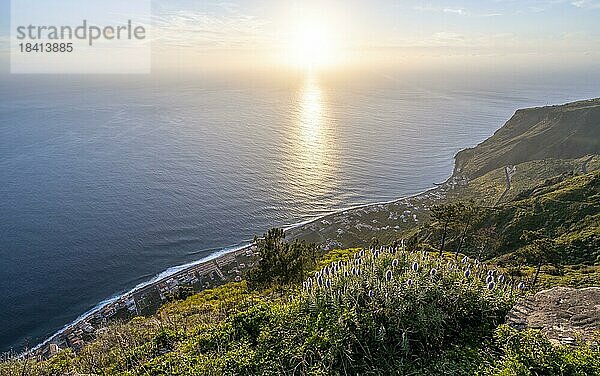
(280, 263)
(529, 352)
(377, 313)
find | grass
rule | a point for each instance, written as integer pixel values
(528, 353)
(386, 311)
(373, 312)
(487, 189)
(367, 313)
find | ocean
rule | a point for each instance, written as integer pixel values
(106, 182)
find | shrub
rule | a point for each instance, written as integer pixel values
(280, 263)
(529, 352)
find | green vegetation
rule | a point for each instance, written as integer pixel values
(281, 263)
(487, 189)
(388, 311)
(431, 305)
(555, 223)
(374, 313)
(576, 276)
(529, 353)
(562, 132)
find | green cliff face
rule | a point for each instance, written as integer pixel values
(562, 132)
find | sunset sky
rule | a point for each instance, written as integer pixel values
(334, 33)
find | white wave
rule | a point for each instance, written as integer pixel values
(223, 251)
(165, 274)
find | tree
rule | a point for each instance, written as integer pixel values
(374, 243)
(445, 217)
(280, 262)
(182, 292)
(541, 250)
(487, 240)
(468, 214)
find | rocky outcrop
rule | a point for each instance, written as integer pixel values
(565, 315)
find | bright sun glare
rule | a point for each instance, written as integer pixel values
(312, 44)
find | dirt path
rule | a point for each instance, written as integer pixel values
(509, 171)
(584, 168)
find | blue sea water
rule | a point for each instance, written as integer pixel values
(107, 181)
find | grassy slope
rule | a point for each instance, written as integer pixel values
(566, 207)
(568, 210)
(365, 324)
(487, 189)
(358, 227)
(563, 132)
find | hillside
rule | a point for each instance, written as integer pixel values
(565, 210)
(368, 312)
(362, 312)
(561, 132)
(387, 222)
(418, 286)
(489, 188)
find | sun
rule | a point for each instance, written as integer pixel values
(312, 44)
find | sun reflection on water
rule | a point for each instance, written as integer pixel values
(312, 119)
(312, 159)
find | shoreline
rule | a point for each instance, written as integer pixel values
(220, 255)
(160, 277)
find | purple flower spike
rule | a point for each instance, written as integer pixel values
(388, 275)
(320, 281)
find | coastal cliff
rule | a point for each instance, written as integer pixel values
(541, 145)
(564, 132)
(380, 295)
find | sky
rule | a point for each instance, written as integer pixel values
(548, 32)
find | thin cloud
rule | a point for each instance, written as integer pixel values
(455, 11)
(586, 4)
(198, 29)
(460, 12)
(429, 8)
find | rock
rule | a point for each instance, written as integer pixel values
(563, 314)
